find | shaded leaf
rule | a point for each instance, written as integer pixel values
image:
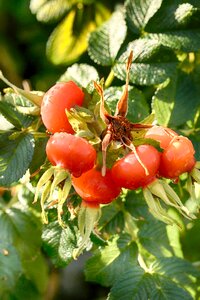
(13, 116)
(176, 101)
(10, 266)
(112, 219)
(15, 157)
(139, 13)
(105, 42)
(59, 242)
(106, 265)
(172, 15)
(137, 105)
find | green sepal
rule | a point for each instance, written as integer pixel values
(33, 97)
(87, 219)
(156, 209)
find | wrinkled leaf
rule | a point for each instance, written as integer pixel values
(139, 13)
(106, 264)
(82, 74)
(105, 42)
(15, 157)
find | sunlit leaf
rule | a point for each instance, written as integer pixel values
(105, 42)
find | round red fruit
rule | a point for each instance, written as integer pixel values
(71, 152)
(128, 171)
(93, 187)
(177, 158)
(161, 134)
(57, 99)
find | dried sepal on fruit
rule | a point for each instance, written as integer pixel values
(118, 126)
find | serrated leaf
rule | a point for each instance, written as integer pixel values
(135, 204)
(106, 265)
(144, 73)
(137, 105)
(139, 13)
(10, 266)
(50, 10)
(65, 45)
(153, 237)
(172, 15)
(15, 157)
(184, 40)
(105, 42)
(136, 284)
(112, 219)
(59, 243)
(176, 101)
(179, 269)
(82, 74)
(39, 155)
(13, 116)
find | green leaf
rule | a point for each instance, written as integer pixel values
(139, 13)
(50, 10)
(15, 157)
(13, 116)
(179, 269)
(65, 45)
(176, 101)
(172, 15)
(82, 74)
(39, 155)
(59, 243)
(135, 204)
(106, 265)
(153, 237)
(22, 229)
(10, 266)
(24, 289)
(105, 42)
(136, 284)
(112, 219)
(144, 73)
(137, 105)
(184, 40)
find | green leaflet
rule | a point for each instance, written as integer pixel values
(82, 74)
(105, 42)
(60, 242)
(106, 264)
(15, 156)
(52, 10)
(176, 101)
(21, 242)
(137, 106)
(139, 13)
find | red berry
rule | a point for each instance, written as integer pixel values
(93, 187)
(71, 152)
(58, 98)
(177, 158)
(128, 171)
(161, 134)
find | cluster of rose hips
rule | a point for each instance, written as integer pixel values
(137, 169)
